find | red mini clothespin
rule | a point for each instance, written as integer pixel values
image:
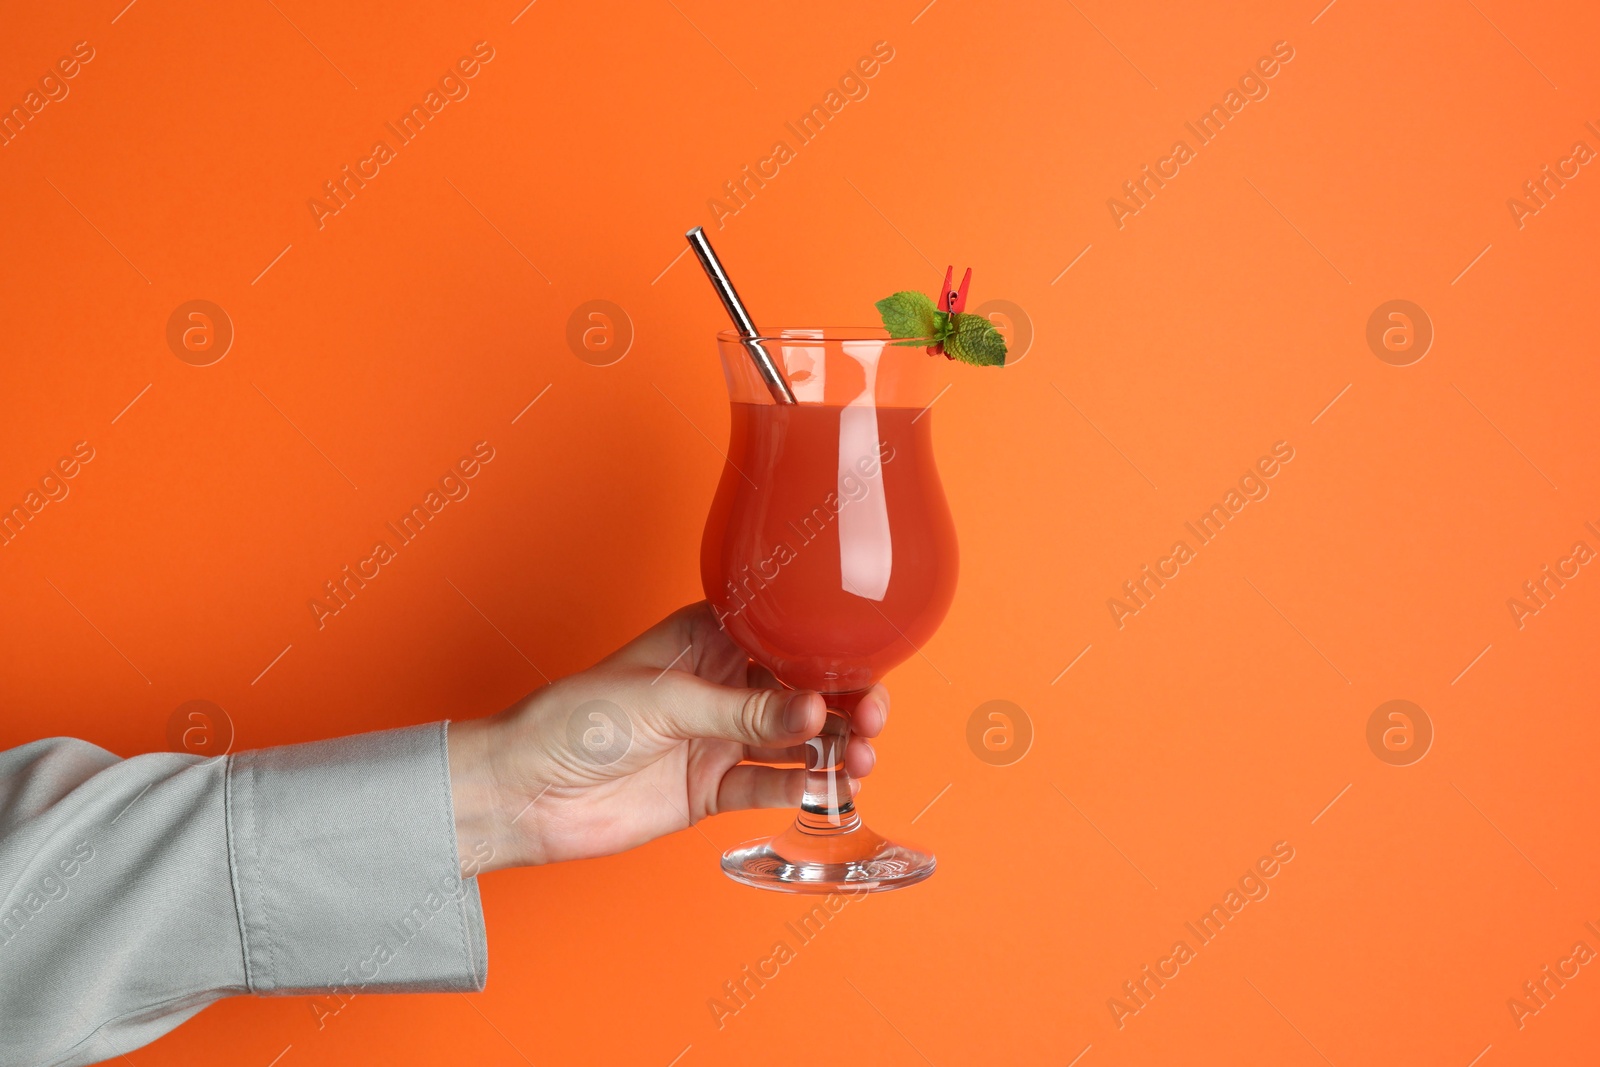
(951, 302)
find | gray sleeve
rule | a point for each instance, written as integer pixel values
(135, 892)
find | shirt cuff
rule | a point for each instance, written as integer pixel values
(345, 869)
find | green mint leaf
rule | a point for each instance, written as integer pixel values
(908, 314)
(973, 339)
(940, 331)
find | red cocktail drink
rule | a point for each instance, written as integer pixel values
(832, 563)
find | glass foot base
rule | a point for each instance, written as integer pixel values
(853, 861)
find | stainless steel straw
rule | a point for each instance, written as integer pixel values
(741, 318)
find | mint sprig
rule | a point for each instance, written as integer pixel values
(969, 338)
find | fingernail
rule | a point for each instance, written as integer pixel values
(794, 712)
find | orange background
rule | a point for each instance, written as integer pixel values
(1223, 317)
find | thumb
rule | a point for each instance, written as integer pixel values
(693, 707)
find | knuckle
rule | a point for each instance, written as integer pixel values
(752, 715)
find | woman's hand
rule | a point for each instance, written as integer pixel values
(673, 727)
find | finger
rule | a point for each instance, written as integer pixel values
(747, 786)
(859, 757)
(866, 720)
(871, 712)
(690, 707)
(681, 641)
(796, 754)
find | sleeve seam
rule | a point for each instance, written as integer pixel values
(233, 868)
(455, 853)
(266, 918)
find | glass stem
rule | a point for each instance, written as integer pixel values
(826, 807)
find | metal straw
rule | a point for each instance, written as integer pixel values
(741, 318)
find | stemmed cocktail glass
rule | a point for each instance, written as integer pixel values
(830, 557)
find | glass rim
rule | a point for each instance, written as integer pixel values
(803, 335)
